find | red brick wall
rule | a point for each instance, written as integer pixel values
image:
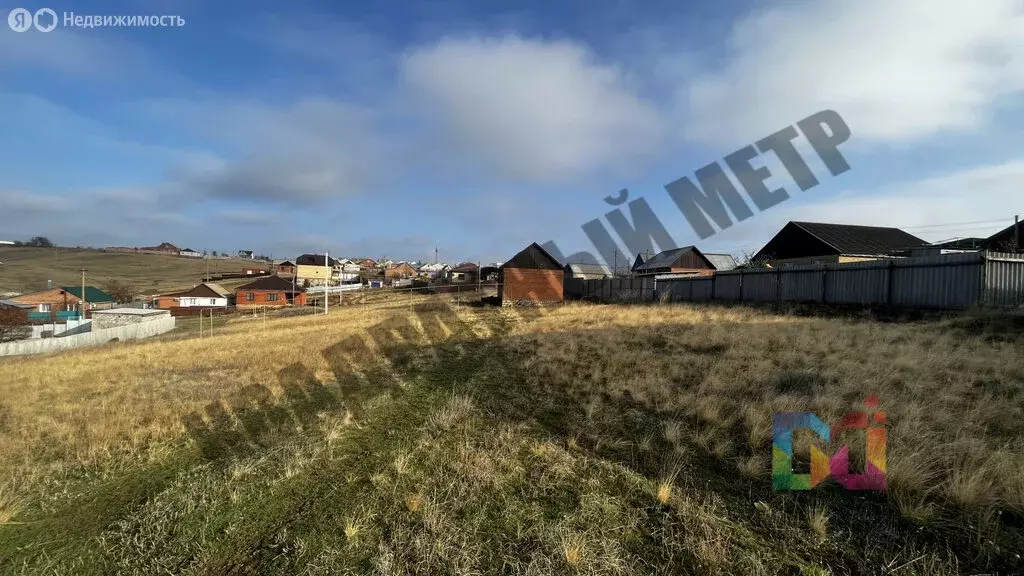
(260, 298)
(531, 284)
(13, 316)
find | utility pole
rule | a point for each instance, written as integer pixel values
(615, 266)
(1016, 234)
(435, 254)
(327, 282)
(83, 294)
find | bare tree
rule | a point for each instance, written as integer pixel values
(122, 291)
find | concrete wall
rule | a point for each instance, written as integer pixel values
(112, 320)
(96, 337)
(68, 329)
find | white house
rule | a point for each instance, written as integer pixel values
(190, 253)
(207, 295)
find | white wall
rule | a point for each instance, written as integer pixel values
(189, 302)
(93, 338)
(72, 327)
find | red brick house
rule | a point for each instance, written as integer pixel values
(285, 268)
(533, 275)
(65, 299)
(269, 291)
(400, 270)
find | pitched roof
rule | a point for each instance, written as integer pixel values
(669, 259)
(188, 250)
(533, 256)
(865, 240)
(13, 304)
(1003, 240)
(640, 259)
(207, 290)
(283, 263)
(589, 269)
(721, 262)
(273, 283)
(465, 267)
(314, 260)
(92, 294)
(224, 292)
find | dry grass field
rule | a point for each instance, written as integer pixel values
(410, 436)
(27, 269)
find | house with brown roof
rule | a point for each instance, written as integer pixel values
(205, 295)
(400, 271)
(464, 273)
(531, 276)
(813, 242)
(269, 291)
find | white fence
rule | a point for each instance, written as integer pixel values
(333, 289)
(68, 329)
(93, 338)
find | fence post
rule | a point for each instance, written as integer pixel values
(888, 282)
(741, 285)
(778, 285)
(824, 283)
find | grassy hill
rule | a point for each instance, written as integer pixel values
(416, 437)
(28, 269)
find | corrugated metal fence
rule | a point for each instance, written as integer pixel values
(611, 290)
(950, 281)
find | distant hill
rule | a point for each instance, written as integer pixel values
(27, 269)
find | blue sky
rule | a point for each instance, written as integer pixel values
(386, 128)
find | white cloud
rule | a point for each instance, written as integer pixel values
(313, 149)
(530, 109)
(896, 70)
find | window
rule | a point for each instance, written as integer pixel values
(44, 307)
(271, 297)
(213, 301)
(250, 296)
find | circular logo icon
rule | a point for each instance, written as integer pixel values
(19, 19)
(45, 25)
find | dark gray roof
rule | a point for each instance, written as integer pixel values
(866, 240)
(721, 262)
(668, 258)
(314, 260)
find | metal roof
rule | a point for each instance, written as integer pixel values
(589, 270)
(92, 294)
(314, 260)
(863, 240)
(667, 258)
(13, 304)
(721, 262)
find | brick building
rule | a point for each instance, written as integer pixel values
(64, 299)
(269, 291)
(13, 313)
(532, 275)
